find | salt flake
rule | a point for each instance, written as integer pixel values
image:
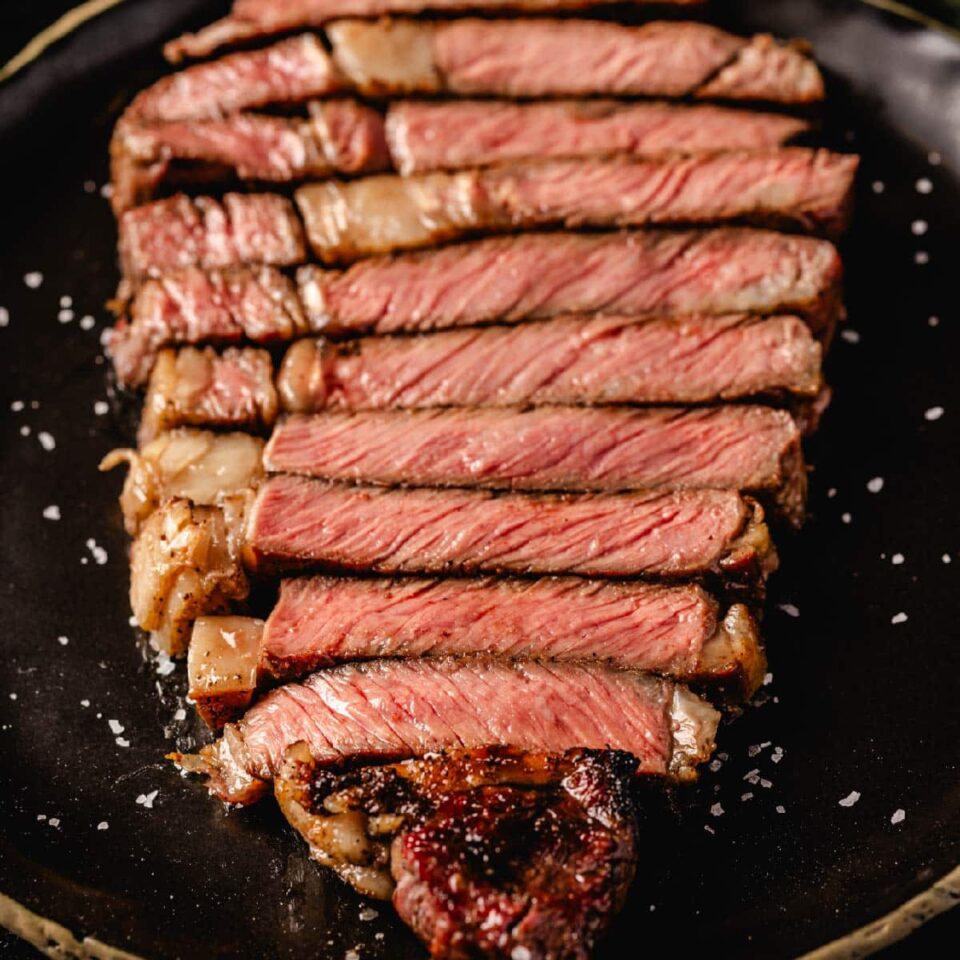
(115, 726)
(850, 336)
(63, 641)
(52, 512)
(4, 317)
(875, 485)
(103, 825)
(899, 618)
(899, 816)
(850, 799)
(897, 559)
(789, 609)
(46, 440)
(934, 413)
(716, 810)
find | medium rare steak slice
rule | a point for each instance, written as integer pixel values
(680, 631)
(797, 187)
(290, 71)
(448, 135)
(393, 709)
(748, 448)
(545, 57)
(194, 306)
(179, 232)
(296, 523)
(508, 279)
(574, 360)
(340, 136)
(253, 19)
(495, 852)
(194, 387)
(323, 621)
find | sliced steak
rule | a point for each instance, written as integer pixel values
(340, 136)
(393, 709)
(679, 631)
(254, 19)
(290, 71)
(296, 523)
(574, 360)
(496, 853)
(509, 279)
(797, 187)
(449, 135)
(749, 448)
(179, 232)
(544, 57)
(203, 388)
(194, 306)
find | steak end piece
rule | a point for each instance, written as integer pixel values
(487, 853)
(203, 388)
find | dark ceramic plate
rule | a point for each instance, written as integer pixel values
(100, 835)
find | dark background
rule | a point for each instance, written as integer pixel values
(20, 20)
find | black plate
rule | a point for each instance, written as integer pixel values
(858, 701)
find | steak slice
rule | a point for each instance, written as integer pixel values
(795, 187)
(573, 360)
(679, 631)
(448, 135)
(290, 71)
(194, 387)
(393, 709)
(748, 448)
(254, 19)
(495, 852)
(296, 523)
(251, 228)
(194, 306)
(530, 276)
(324, 621)
(340, 136)
(545, 57)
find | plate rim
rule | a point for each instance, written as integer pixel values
(52, 938)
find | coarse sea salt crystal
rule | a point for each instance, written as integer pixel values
(99, 554)
(103, 825)
(850, 799)
(850, 336)
(780, 808)
(708, 828)
(115, 726)
(919, 227)
(934, 413)
(101, 407)
(897, 559)
(789, 609)
(933, 321)
(33, 279)
(878, 186)
(146, 799)
(899, 815)
(744, 797)
(54, 822)
(65, 316)
(846, 517)
(66, 301)
(62, 640)
(181, 714)
(946, 558)
(831, 493)
(921, 257)
(767, 679)
(52, 512)
(899, 618)
(875, 485)
(165, 666)
(934, 158)
(4, 317)
(716, 810)
(121, 742)
(46, 440)
(87, 322)
(777, 754)
(17, 406)
(924, 185)
(368, 913)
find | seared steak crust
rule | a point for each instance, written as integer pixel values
(493, 851)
